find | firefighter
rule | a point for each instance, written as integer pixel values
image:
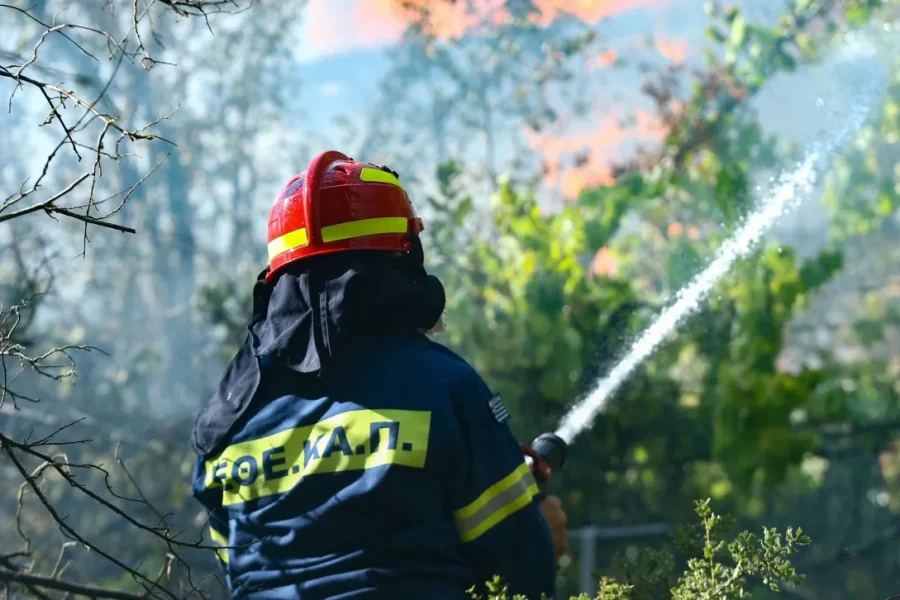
(344, 453)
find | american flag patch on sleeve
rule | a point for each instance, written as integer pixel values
(498, 409)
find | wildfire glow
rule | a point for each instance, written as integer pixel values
(674, 50)
(606, 58)
(582, 159)
(575, 158)
(340, 25)
(605, 263)
(590, 11)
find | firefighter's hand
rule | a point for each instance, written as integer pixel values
(551, 507)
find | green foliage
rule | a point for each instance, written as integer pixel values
(709, 578)
(609, 589)
(543, 302)
(718, 566)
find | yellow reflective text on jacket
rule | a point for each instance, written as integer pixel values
(350, 441)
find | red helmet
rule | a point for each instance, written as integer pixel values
(340, 204)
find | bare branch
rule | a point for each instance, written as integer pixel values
(128, 192)
(66, 586)
(92, 220)
(7, 563)
(49, 29)
(8, 446)
(99, 130)
(59, 98)
(63, 470)
(46, 204)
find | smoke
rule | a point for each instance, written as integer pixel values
(865, 78)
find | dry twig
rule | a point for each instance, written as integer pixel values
(92, 131)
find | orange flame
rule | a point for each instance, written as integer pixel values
(379, 22)
(674, 50)
(593, 148)
(607, 58)
(674, 229)
(605, 263)
(589, 11)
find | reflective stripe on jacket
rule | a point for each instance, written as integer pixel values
(392, 478)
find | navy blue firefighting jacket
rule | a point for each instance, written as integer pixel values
(393, 476)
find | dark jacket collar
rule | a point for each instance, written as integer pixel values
(304, 319)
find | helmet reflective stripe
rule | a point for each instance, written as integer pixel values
(341, 231)
(289, 241)
(377, 175)
(340, 205)
(354, 229)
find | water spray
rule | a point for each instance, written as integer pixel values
(548, 452)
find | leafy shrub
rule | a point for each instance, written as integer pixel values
(717, 569)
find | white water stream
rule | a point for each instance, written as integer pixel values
(790, 189)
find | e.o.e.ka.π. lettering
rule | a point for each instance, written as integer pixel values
(354, 440)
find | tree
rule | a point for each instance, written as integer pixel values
(714, 412)
(100, 129)
(478, 92)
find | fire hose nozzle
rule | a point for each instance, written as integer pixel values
(548, 453)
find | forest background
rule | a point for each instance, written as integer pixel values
(576, 163)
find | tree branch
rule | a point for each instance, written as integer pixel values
(46, 204)
(91, 220)
(66, 586)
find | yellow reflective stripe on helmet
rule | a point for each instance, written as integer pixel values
(379, 176)
(341, 231)
(513, 492)
(355, 229)
(289, 241)
(219, 540)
